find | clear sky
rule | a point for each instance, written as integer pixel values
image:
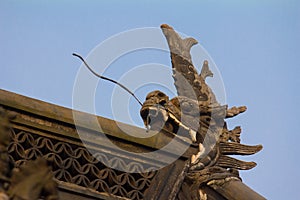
(255, 45)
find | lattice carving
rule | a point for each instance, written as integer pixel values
(75, 164)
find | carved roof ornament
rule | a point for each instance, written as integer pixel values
(5, 164)
(30, 181)
(196, 113)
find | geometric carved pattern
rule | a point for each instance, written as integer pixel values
(75, 164)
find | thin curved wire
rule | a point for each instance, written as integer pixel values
(108, 79)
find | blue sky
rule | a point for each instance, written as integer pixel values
(255, 45)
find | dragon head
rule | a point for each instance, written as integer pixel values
(158, 112)
(153, 111)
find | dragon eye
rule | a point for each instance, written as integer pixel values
(161, 94)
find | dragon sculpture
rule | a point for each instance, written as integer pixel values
(195, 112)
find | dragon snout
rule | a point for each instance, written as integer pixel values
(154, 117)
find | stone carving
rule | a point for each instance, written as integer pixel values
(196, 112)
(28, 182)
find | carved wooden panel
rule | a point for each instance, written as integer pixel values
(75, 164)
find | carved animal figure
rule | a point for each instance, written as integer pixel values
(5, 164)
(32, 180)
(195, 111)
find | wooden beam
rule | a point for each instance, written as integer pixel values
(235, 190)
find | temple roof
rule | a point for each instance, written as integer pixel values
(85, 166)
